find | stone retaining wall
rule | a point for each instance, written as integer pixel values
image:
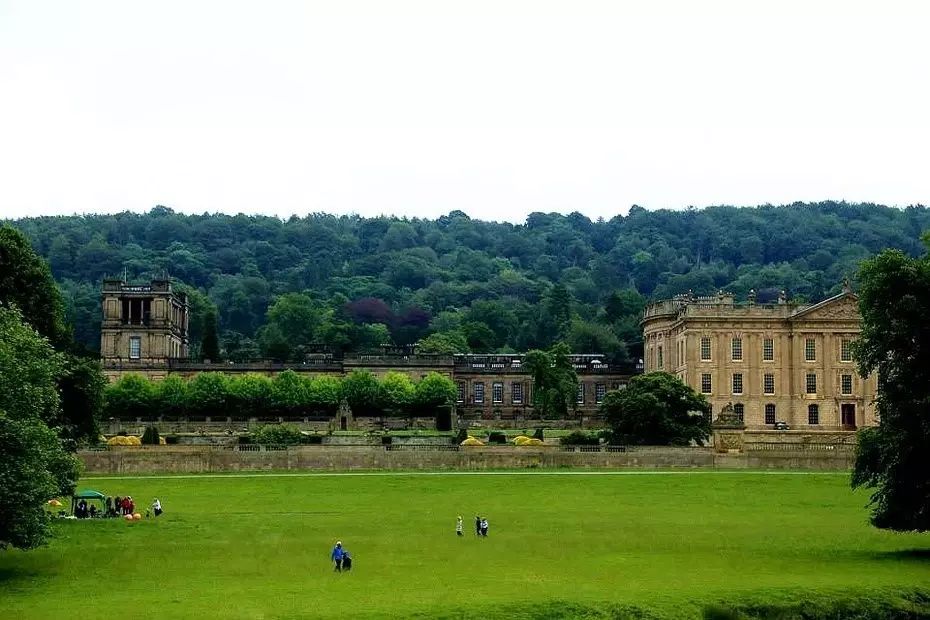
(196, 459)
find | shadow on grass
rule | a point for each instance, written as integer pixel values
(917, 555)
(890, 605)
(11, 575)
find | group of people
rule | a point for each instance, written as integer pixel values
(83, 511)
(113, 507)
(120, 506)
(341, 558)
(481, 526)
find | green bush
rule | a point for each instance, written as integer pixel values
(311, 440)
(277, 434)
(538, 434)
(150, 436)
(578, 438)
(171, 440)
(461, 436)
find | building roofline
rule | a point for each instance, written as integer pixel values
(826, 302)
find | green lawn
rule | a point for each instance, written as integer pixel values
(258, 547)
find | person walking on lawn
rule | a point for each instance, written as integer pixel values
(337, 555)
(458, 526)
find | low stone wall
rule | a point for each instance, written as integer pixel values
(196, 459)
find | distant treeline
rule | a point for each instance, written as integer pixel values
(455, 284)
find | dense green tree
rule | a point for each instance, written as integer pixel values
(479, 337)
(297, 317)
(397, 393)
(433, 393)
(210, 346)
(81, 386)
(657, 409)
(208, 394)
(290, 394)
(29, 371)
(324, 394)
(27, 283)
(371, 336)
(171, 397)
(34, 466)
(446, 343)
(131, 396)
(586, 337)
(623, 303)
(363, 394)
(555, 383)
(894, 457)
(33, 470)
(274, 345)
(249, 396)
(554, 317)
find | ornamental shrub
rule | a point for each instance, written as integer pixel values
(150, 437)
(579, 438)
(277, 434)
(498, 438)
(124, 440)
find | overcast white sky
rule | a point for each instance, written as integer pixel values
(497, 108)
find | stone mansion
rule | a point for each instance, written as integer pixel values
(776, 362)
(771, 362)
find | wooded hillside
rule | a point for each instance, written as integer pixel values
(458, 284)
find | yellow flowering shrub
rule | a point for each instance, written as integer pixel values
(127, 440)
(472, 441)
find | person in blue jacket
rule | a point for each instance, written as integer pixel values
(337, 556)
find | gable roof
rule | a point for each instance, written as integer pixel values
(846, 295)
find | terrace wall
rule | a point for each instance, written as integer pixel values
(203, 459)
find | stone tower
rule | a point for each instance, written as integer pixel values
(143, 325)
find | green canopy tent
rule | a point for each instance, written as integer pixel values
(88, 495)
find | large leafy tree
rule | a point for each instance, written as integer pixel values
(26, 283)
(555, 383)
(249, 395)
(34, 466)
(363, 394)
(397, 393)
(657, 409)
(894, 457)
(132, 396)
(445, 343)
(433, 393)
